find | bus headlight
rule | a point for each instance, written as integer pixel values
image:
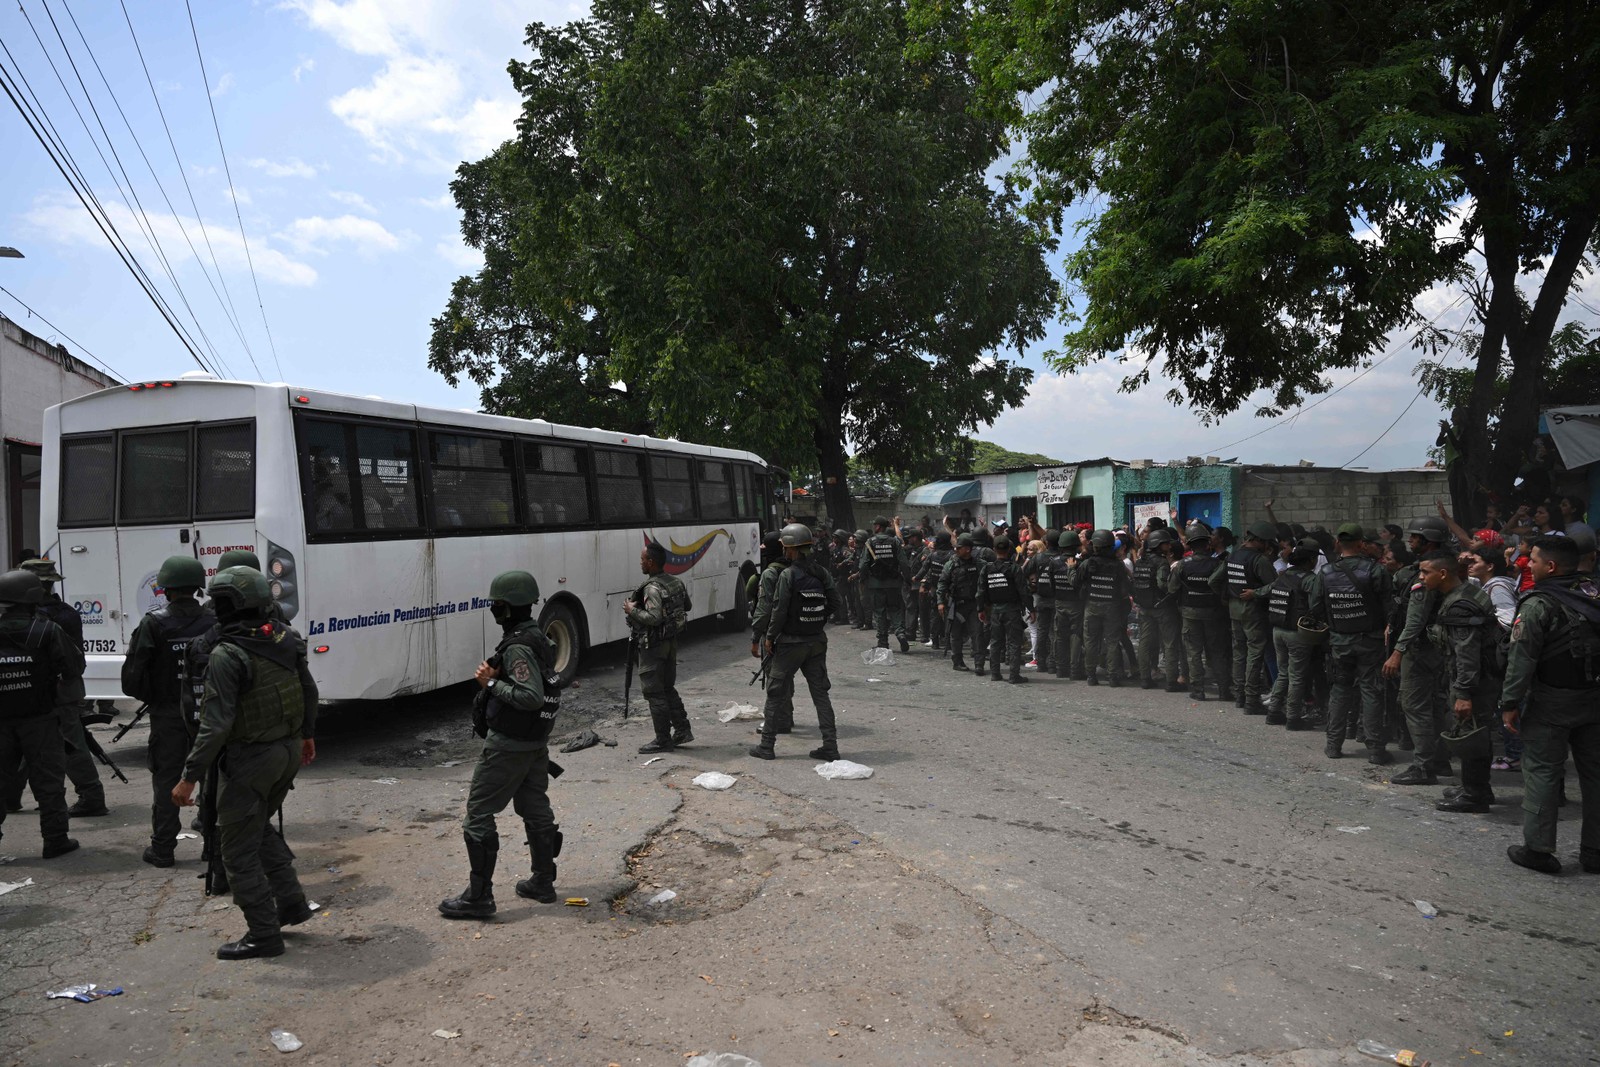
(281, 569)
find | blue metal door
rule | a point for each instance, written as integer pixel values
(1207, 507)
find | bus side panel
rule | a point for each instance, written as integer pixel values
(372, 606)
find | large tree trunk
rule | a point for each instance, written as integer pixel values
(834, 463)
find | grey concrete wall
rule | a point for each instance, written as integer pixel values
(1330, 497)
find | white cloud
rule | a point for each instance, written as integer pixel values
(224, 83)
(305, 66)
(315, 234)
(355, 200)
(447, 202)
(484, 126)
(239, 192)
(409, 94)
(62, 219)
(457, 254)
(293, 167)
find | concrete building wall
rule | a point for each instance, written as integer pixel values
(1329, 497)
(34, 374)
(1098, 480)
(1173, 480)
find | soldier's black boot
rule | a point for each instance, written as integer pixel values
(977, 665)
(250, 947)
(477, 900)
(959, 664)
(544, 847)
(1115, 681)
(1092, 677)
(763, 750)
(828, 750)
(1148, 683)
(1017, 677)
(905, 645)
(1379, 755)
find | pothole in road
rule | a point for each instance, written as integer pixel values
(708, 877)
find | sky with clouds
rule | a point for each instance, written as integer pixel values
(343, 121)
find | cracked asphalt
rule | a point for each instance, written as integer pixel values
(1041, 874)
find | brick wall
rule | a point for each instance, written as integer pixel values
(1312, 496)
(1172, 480)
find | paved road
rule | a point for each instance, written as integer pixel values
(1057, 874)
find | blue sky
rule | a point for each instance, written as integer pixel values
(343, 121)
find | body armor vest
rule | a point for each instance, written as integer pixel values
(171, 638)
(272, 706)
(1197, 591)
(514, 722)
(963, 580)
(883, 565)
(1044, 576)
(27, 682)
(1102, 584)
(63, 615)
(808, 604)
(1148, 571)
(999, 583)
(1288, 601)
(1353, 606)
(1061, 578)
(195, 659)
(1242, 571)
(1571, 654)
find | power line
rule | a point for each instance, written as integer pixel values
(145, 225)
(183, 175)
(8, 82)
(103, 364)
(61, 155)
(226, 170)
(162, 189)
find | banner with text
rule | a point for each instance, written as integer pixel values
(1055, 485)
(1577, 434)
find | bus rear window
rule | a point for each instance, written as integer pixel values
(556, 483)
(716, 495)
(359, 477)
(472, 481)
(155, 477)
(88, 480)
(225, 472)
(674, 494)
(619, 483)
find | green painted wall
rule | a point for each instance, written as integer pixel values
(1173, 480)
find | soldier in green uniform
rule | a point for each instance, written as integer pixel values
(883, 567)
(152, 671)
(1068, 637)
(911, 592)
(846, 575)
(1296, 595)
(1418, 663)
(259, 717)
(513, 712)
(36, 662)
(928, 580)
(958, 604)
(658, 612)
(1465, 630)
(773, 565)
(1551, 699)
(1004, 604)
(1040, 572)
(1205, 623)
(1159, 622)
(797, 641)
(1245, 582)
(81, 770)
(1103, 590)
(1355, 592)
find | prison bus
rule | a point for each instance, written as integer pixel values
(380, 524)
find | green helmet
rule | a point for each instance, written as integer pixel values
(1070, 539)
(862, 535)
(1197, 531)
(243, 590)
(181, 572)
(517, 588)
(1160, 537)
(1003, 545)
(964, 541)
(795, 535)
(239, 557)
(42, 569)
(1430, 528)
(1102, 540)
(21, 587)
(1263, 531)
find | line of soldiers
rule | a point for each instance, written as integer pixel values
(230, 702)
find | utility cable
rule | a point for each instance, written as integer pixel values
(115, 374)
(228, 172)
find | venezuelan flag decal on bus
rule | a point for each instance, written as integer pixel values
(681, 558)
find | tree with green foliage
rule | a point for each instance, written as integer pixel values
(988, 457)
(1274, 183)
(766, 219)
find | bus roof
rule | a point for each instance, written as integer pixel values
(377, 407)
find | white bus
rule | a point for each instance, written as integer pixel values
(381, 524)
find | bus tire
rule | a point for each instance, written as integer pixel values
(560, 625)
(737, 618)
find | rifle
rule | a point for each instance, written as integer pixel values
(210, 846)
(131, 723)
(763, 673)
(99, 753)
(627, 679)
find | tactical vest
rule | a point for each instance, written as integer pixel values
(1101, 588)
(27, 680)
(808, 604)
(881, 547)
(999, 585)
(1242, 571)
(675, 606)
(1196, 572)
(963, 580)
(1044, 580)
(1289, 600)
(195, 660)
(1571, 655)
(1061, 577)
(1149, 570)
(1352, 591)
(171, 637)
(514, 722)
(936, 562)
(64, 616)
(272, 706)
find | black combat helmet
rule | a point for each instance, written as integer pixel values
(1102, 540)
(181, 572)
(21, 587)
(517, 588)
(239, 557)
(796, 535)
(240, 591)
